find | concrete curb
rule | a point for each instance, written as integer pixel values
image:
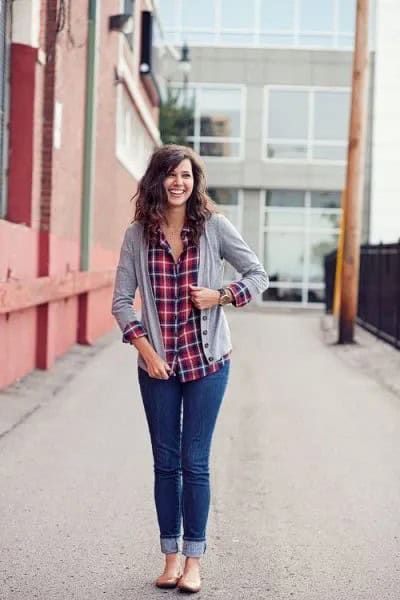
(378, 359)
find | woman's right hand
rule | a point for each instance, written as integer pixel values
(157, 367)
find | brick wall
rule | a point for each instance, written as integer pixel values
(50, 244)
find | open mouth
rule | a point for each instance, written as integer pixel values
(177, 192)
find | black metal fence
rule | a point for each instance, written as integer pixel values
(379, 290)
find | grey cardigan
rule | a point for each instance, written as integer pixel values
(219, 241)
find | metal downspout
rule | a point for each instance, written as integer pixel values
(90, 136)
(83, 329)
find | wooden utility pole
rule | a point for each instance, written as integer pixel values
(354, 179)
(339, 262)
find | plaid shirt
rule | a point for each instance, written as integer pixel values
(180, 320)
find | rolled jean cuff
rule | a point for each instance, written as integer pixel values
(169, 545)
(194, 548)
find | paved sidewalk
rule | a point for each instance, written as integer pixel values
(306, 479)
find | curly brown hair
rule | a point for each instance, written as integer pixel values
(151, 198)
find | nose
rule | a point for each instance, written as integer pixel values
(179, 179)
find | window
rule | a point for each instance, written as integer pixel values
(230, 204)
(316, 23)
(168, 14)
(277, 16)
(277, 21)
(306, 124)
(346, 22)
(308, 23)
(237, 26)
(134, 145)
(299, 229)
(216, 130)
(198, 15)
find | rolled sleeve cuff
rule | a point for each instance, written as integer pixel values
(241, 293)
(133, 331)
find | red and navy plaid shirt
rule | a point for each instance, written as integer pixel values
(179, 318)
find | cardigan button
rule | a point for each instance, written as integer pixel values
(210, 359)
(204, 318)
(205, 345)
(205, 332)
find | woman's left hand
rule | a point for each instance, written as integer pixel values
(204, 297)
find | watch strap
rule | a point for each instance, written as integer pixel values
(223, 293)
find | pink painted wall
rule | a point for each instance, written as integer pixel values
(18, 259)
(112, 209)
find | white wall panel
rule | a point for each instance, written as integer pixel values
(385, 184)
(26, 22)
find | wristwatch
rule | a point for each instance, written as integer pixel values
(224, 297)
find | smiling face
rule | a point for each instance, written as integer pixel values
(178, 184)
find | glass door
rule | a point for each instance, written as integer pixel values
(299, 228)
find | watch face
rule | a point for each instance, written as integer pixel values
(225, 299)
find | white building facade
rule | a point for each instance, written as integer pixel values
(385, 156)
(270, 89)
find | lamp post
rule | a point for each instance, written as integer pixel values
(185, 67)
(176, 120)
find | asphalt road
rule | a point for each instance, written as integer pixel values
(305, 473)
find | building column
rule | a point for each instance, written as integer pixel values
(45, 352)
(23, 89)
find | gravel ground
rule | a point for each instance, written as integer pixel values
(369, 354)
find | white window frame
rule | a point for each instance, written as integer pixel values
(134, 153)
(303, 285)
(197, 139)
(128, 82)
(180, 35)
(310, 141)
(238, 206)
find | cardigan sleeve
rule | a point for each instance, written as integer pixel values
(235, 250)
(124, 293)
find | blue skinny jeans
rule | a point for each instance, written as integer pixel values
(181, 419)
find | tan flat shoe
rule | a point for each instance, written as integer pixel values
(167, 582)
(189, 585)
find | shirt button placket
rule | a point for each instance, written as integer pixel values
(176, 300)
(205, 342)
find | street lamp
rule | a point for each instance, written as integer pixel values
(184, 62)
(185, 67)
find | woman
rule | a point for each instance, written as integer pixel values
(173, 252)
